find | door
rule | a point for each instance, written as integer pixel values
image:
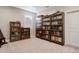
(73, 28)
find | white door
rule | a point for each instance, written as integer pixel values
(73, 28)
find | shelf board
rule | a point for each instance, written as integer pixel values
(43, 33)
(14, 26)
(46, 21)
(44, 38)
(61, 43)
(57, 14)
(45, 25)
(57, 35)
(56, 30)
(58, 25)
(57, 20)
(45, 30)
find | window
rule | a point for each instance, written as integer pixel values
(28, 22)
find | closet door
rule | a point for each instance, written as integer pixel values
(73, 28)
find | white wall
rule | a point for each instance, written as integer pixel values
(8, 14)
(65, 9)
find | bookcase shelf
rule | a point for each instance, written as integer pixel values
(44, 31)
(54, 25)
(25, 33)
(57, 29)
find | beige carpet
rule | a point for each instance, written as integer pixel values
(35, 45)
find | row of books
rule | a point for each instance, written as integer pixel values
(54, 38)
(15, 33)
(60, 28)
(57, 33)
(46, 23)
(17, 25)
(25, 30)
(45, 36)
(15, 29)
(46, 27)
(57, 17)
(43, 32)
(46, 19)
(15, 38)
(57, 23)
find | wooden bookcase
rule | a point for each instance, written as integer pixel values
(57, 27)
(38, 32)
(25, 33)
(46, 27)
(15, 31)
(43, 31)
(38, 27)
(52, 28)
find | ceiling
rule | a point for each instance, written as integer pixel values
(34, 9)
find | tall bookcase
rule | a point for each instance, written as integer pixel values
(52, 28)
(15, 31)
(57, 27)
(38, 26)
(46, 27)
(43, 31)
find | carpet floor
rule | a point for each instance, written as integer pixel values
(35, 45)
